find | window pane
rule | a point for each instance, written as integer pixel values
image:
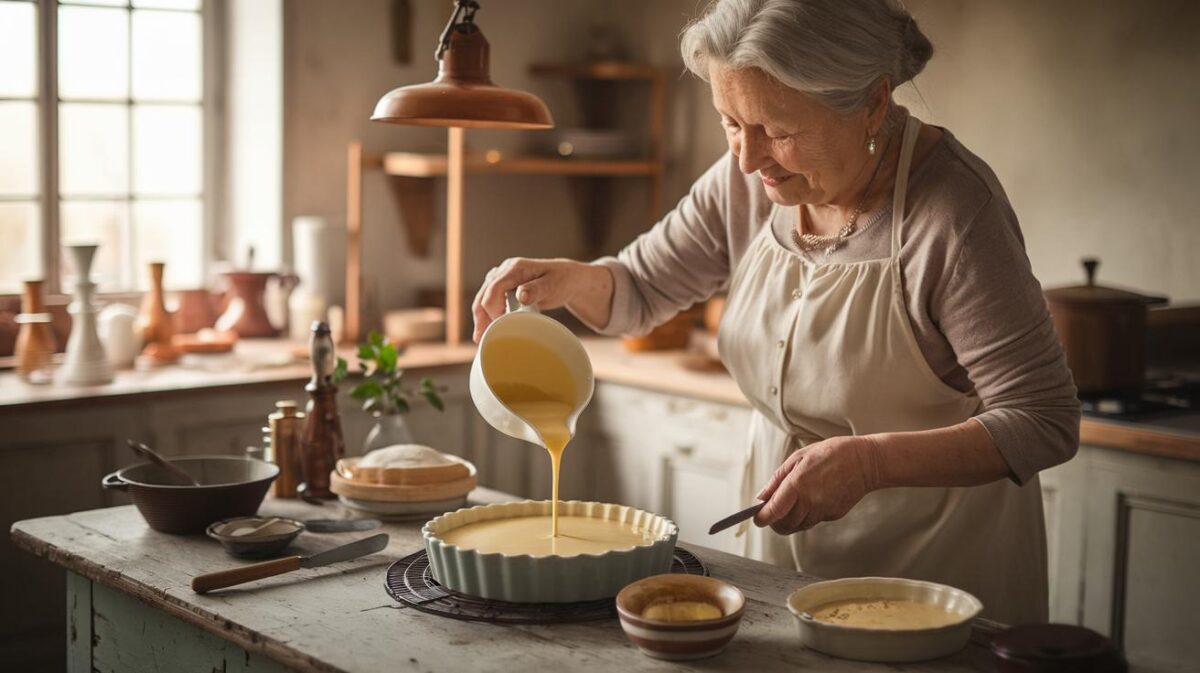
(112, 3)
(101, 222)
(18, 49)
(20, 255)
(19, 160)
(93, 52)
(168, 4)
(166, 149)
(166, 55)
(171, 232)
(93, 148)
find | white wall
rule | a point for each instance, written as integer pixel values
(1086, 111)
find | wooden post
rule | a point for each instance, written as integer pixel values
(354, 168)
(454, 236)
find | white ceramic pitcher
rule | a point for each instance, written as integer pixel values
(524, 320)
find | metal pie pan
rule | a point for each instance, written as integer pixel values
(547, 579)
(883, 645)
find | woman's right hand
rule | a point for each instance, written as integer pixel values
(586, 289)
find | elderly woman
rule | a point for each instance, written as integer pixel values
(882, 317)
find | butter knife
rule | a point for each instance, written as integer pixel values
(736, 518)
(257, 571)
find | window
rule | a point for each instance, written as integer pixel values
(104, 140)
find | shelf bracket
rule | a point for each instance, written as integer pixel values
(414, 198)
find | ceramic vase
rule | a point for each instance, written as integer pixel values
(86, 363)
(121, 341)
(246, 314)
(154, 323)
(195, 312)
(35, 345)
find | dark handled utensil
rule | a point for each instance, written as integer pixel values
(735, 519)
(152, 456)
(257, 571)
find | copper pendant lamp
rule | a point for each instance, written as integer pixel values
(463, 94)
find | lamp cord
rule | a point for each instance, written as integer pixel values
(464, 10)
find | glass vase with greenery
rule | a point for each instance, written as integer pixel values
(384, 393)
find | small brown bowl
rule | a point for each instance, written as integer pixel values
(263, 544)
(680, 640)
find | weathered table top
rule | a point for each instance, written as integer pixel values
(339, 618)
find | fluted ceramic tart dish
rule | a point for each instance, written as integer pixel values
(547, 578)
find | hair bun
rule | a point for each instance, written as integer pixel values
(916, 50)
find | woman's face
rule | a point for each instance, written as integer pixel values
(804, 152)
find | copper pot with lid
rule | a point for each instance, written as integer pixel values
(1103, 331)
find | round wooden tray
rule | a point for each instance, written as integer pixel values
(414, 493)
(349, 469)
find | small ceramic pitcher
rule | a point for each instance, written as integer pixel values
(525, 321)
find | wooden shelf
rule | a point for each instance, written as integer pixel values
(414, 165)
(613, 70)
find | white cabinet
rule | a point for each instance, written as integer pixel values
(677, 456)
(1124, 534)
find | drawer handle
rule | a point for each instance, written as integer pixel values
(685, 450)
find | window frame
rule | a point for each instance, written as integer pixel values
(212, 13)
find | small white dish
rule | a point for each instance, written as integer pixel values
(883, 645)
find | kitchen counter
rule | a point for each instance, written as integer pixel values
(258, 362)
(131, 608)
(1169, 436)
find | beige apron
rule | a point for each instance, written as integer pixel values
(828, 350)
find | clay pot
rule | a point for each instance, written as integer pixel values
(1103, 331)
(246, 314)
(196, 311)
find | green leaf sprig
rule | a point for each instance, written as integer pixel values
(382, 391)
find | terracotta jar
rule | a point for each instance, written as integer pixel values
(246, 313)
(1103, 331)
(196, 311)
(154, 323)
(35, 343)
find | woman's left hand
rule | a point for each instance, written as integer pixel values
(819, 482)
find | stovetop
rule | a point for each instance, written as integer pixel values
(1169, 398)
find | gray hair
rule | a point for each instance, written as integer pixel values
(835, 50)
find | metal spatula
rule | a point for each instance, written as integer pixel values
(736, 518)
(257, 571)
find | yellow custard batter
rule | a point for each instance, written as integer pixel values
(885, 614)
(531, 535)
(536, 385)
(682, 611)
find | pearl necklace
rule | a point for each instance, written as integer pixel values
(809, 242)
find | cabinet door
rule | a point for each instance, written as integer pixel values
(1143, 549)
(677, 456)
(1064, 489)
(218, 423)
(51, 463)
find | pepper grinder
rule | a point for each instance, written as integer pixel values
(284, 436)
(86, 363)
(322, 444)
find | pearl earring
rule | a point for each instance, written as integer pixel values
(871, 146)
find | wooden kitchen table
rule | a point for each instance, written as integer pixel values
(130, 609)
